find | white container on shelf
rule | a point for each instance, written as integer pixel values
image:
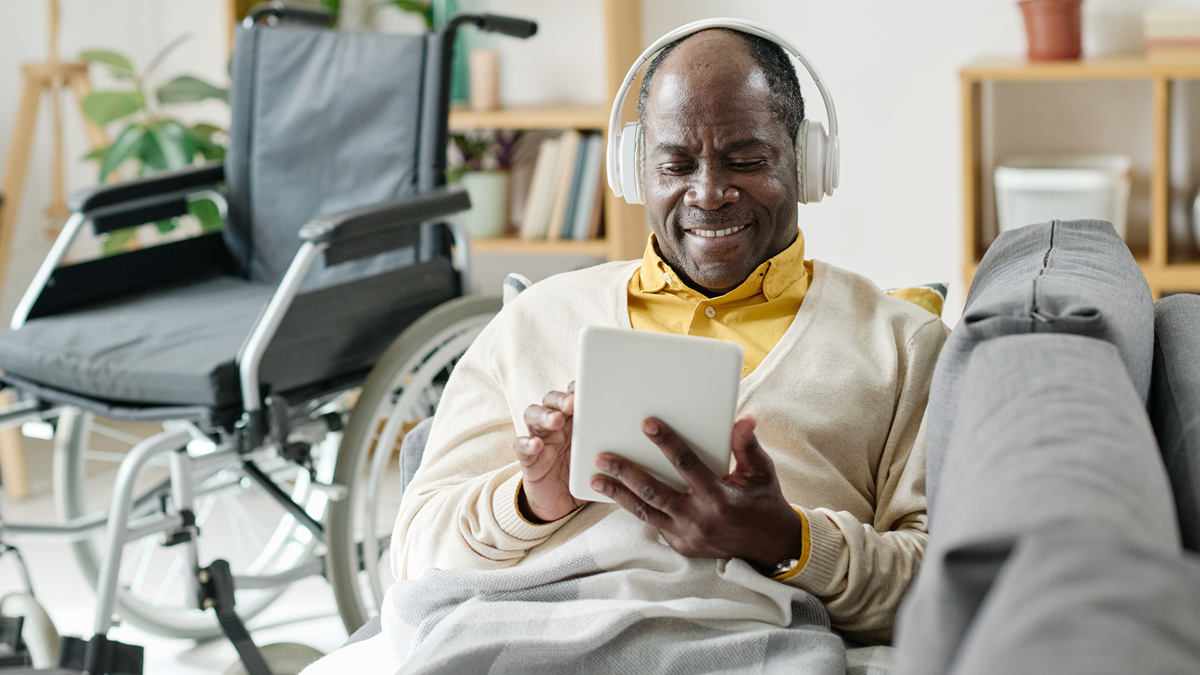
(1065, 187)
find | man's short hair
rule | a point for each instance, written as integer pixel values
(785, 98)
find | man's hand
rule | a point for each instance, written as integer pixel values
(743, 515)
(545, 458)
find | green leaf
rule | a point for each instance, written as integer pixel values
(206, 131)
(158, 58)
(104, 107)
(118, 241)
(175, 144)
(151, 154)
(165, 226)
(209, 150)
(208, 214)
(97, 153)
(425, 9)
(117, 64)
(185, 89)
(122, 149)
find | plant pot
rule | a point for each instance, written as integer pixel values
(1054, 29)
(489, 203)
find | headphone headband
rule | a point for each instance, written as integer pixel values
(742, 26)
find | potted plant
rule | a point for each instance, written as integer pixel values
(482, 167)
(149, 139)
(1053, 28)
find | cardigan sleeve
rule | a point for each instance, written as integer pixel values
(460, 509)
(861, 571)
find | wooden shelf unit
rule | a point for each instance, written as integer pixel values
(1163, 274)
(624, 224)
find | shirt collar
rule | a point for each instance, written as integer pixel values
(772, 278)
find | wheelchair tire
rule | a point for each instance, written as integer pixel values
(245, 519)
(403, 388)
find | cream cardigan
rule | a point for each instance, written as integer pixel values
(839, 401)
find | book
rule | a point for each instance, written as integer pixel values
(539, 199)
(564, 175)
(590, 190)
(576, 181)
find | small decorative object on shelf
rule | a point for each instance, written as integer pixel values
(485, 79)
(1172, 34)
(1053, 28)
(483, 167)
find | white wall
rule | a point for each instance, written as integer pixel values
(892, 67)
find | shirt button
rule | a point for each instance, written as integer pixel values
(666, 277)
(710, 312)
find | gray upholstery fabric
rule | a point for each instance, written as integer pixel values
(1175, 404)
(1087, 603)
(1051, 433)
(412, 448)
(173, 346)
(322, 121)
(1074, 276)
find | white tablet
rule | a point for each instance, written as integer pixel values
(625, 376)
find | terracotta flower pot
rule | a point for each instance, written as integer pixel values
(1053, 28)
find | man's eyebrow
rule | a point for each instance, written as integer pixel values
(732, 146)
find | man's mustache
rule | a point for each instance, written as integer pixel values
(698, 218)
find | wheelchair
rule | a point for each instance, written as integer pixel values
(284, 357)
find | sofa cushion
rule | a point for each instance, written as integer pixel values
(1066, 276)
(1175, 404)
(1082, 602)
(1050, 433)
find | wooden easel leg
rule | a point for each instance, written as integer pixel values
(12, 458)
(16, 165)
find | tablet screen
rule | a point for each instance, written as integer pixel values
(625, 376)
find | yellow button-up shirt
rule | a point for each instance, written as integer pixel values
(755, 315)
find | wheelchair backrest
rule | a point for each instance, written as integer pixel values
(322, 120)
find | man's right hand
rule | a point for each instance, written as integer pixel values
(545, 458)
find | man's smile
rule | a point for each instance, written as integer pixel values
(716, 234)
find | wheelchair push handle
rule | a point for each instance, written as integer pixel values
(507, 25)
(495, 23)
(277, 11)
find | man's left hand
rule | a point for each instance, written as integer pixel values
(743, 515)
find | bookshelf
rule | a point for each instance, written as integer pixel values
(624, 224)
(1169, 267)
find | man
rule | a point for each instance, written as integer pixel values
(828, 492)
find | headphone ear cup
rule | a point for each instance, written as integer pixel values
(631, 162)
(810, 161)
(639, 155)
(802, 162)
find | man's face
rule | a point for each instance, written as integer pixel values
(720, 176)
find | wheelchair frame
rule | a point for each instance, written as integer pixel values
(348, 235)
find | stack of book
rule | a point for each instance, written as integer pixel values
(1172, 33)
(565, 192)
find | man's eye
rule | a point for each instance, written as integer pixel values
(675, 169)
(747, 164)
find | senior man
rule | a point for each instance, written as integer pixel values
(827, 497)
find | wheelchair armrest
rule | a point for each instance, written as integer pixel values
(363, 232)
(191, 178)
(140, 211)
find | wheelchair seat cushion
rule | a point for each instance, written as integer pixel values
(172, 346)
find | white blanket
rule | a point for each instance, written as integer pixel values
(594, 605)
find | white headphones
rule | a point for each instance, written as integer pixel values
(818, 156)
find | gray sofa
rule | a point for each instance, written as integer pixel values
(1058, 533)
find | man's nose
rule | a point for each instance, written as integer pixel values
(710, 190)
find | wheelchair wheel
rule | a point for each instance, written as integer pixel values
(236, 521)
(404, 388)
